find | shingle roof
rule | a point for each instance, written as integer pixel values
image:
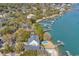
(33, 37)
(30, 47)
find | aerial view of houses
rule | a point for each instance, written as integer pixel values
(22, 32)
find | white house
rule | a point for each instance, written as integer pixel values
(33, 43)
(30, 16)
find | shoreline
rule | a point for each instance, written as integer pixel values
(53, 16)
(50, 47)
(49, 17)
(55, 49)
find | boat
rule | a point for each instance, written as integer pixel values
(68, 53)
(60, 43)
(52, 21)
(45, 24)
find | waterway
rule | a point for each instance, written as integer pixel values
(66, 29)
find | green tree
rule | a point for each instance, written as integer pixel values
(39, 30)
(19, 47)
(22, 35)
(8, 48)
(30, 53)
(7, 37)
(8, 29)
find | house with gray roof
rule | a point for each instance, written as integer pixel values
(33, 42)
(30, 47)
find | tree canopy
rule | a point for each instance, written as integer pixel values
(22, 35)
